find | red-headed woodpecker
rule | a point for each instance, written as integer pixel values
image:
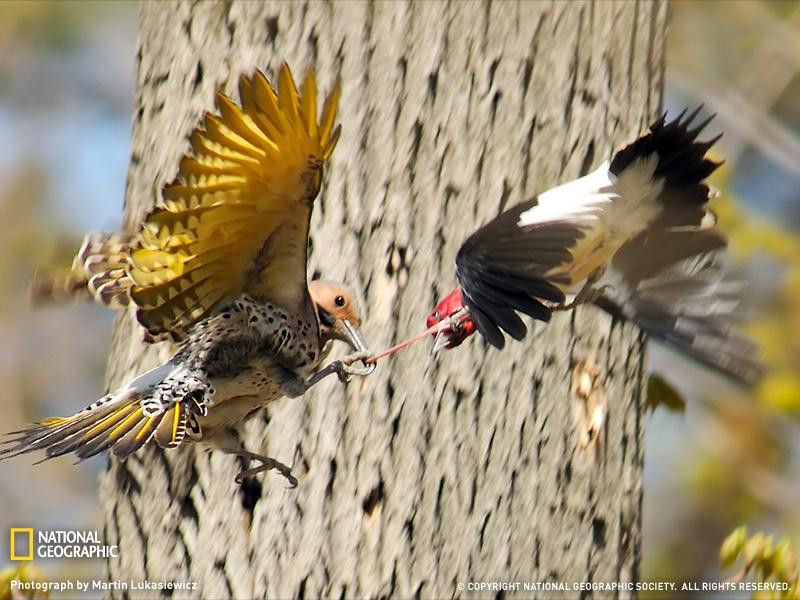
(634, 237)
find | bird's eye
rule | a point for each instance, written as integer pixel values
(340, 301)
(436, 314)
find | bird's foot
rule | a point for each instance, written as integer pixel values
(586, 295)
(566, 305)
(344, 368)
(267, 463)
(349, 367)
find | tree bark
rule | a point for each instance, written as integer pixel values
(434, 471)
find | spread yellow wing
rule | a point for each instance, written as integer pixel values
(235, 219)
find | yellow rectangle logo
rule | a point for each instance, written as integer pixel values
(22, 530)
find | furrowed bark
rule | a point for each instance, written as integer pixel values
(465, 467)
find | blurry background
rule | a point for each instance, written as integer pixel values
(66, 96)
(728, 457)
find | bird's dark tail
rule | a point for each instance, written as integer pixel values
(682, 165)
(669, 278)
(690, 305)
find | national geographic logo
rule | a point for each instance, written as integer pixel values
(57, 543)
(21, 543)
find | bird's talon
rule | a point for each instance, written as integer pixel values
(355, 357)
(341, 371)
(291, 479)
(565, 306)
(347, 364)
(268, 464)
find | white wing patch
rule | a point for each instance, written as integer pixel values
(636, 204)
(581, 200)
(621, 206)
(149, 379)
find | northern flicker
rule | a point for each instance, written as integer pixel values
(219, 266)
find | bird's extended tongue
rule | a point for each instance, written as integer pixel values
(439, 330)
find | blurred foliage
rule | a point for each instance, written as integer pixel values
(28, 237)
(27, 573)
(738, 453)
(50, 25)
(661, 392)
(778, 323)
(66, 75)
(741, 470)
(765, 559)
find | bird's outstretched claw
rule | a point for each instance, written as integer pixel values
(348, 364)
(344, 368)
(566, 305)
(587, 295)
(267, 463)
(341, 371)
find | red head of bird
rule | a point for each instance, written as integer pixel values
(457, 326)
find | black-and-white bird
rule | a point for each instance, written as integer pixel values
(634, 236)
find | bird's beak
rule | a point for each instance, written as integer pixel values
(343, 330)
(441, 342)
(352, 335)
(349, 333)
(326, 318)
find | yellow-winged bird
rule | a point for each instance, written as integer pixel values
(219, 266)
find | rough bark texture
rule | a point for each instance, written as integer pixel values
(431, 472)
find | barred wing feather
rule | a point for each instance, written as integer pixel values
(235, 219)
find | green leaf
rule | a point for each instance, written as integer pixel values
(754, 548)
(785, 561)
(732, 546)
(661, 393)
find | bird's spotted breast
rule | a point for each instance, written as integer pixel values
(225, 344)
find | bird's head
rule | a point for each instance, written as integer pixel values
(338, 314)
(457, 324)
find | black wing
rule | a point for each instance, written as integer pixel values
(503, 269)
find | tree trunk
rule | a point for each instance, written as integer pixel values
(465, 467)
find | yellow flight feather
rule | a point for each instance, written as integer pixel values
(308, 105)
(235, 219)
(177, 411)
(267, 104)
(134, 416)
(329, 116)
(145, 428)
(103, 423)
(288, 98)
